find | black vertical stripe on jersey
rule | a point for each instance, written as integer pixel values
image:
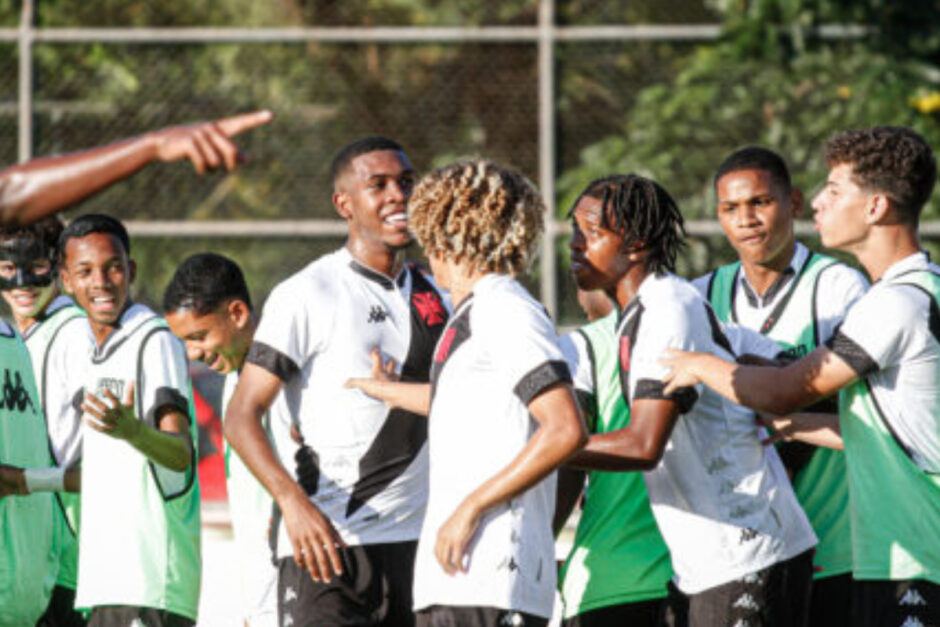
(628, 329)
(460, 328)
(933, 318)
(777, 311)
(718, 334)
(403, 434)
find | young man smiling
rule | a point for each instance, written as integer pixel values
(353, 500)
(208, 307)
(139, 556)
(797, 298)
(886, 356)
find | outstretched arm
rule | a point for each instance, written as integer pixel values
(385, 386)
(312, 536)
(40, 187)
(638, 446)
(561, 432)
(812, 428)
(767, 389)
(16, 481)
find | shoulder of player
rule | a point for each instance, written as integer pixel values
(671, 297)
(891, 303)
(504, 299)
(702, 282)
(837, 273)
(316, 281)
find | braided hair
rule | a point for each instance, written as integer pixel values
(644, 213)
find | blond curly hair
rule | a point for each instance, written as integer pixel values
(479, 213)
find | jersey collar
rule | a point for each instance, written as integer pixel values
(133, 317)
(797, 261)
(377, 277)
(917, 261)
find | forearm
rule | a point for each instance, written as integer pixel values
(32, 190)
(811, 428)
(245, 433)
(547, 449)
(412, 397)
(170, 450)
(618, 451)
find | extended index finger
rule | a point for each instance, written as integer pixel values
(236, 124)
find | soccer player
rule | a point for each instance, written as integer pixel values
(56, 334)
(886, 360)
(208, 306)
(797, 298)
(501, 411)
(352, 492)
(740, 544)
(619, 567)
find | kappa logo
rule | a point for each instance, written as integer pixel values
(747, 534)
(15, 395)
(377, 314)
(288, 620)
(289, 594)
(912, 597)
(511, 619)
(912, 621)
(429, 307)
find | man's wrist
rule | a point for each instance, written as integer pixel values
(44, 480)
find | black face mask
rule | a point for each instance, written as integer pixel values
(22, 253)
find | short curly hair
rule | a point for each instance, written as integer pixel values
(890, 159)
(479, 213)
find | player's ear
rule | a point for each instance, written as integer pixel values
(877, 209)
(238, 312)
(341, 204)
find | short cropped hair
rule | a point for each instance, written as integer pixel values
(93, 223)
(365, 145)
(45, 231)
(643, 212)
(203, 282)
(893, 160)
(479, 213)
(756, 158)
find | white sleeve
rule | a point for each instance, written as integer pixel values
(880, 328)
(661, 329)
(575, 350)
(839, 288)
(521, 342)
(701, 284)
(745, 341)
(294, 326)
(164, 377)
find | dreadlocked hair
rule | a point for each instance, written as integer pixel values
(644, 213)
(479, 213)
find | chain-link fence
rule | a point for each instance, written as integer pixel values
(557, 89)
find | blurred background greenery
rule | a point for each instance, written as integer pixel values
(667, 108)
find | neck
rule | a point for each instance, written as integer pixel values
(461, 282)
(626, 288)
(885, 248)
(23, 324)
(101, 332)
(380, 258)
(762, 275)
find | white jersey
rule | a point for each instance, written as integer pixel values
(139, 538)
(318, 330)
(58, 342)
(498, 352)
(886, 340)
(836, 289)
(251, 507)
(722, 500)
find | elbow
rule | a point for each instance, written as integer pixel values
(649, 454)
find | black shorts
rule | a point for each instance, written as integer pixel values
(131, 616)
(453, 616)
(638, 614)
(895, 603)
(61, 610)
(374, 589)
(777, 596)
(831, 601)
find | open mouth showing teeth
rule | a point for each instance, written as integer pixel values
(397, 218)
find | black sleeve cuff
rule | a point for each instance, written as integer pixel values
(272, 360)
(541, 377)
(684, 398)
(853, 354)
(167, 398)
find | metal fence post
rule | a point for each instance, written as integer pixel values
(546, 60)
(25, 109)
